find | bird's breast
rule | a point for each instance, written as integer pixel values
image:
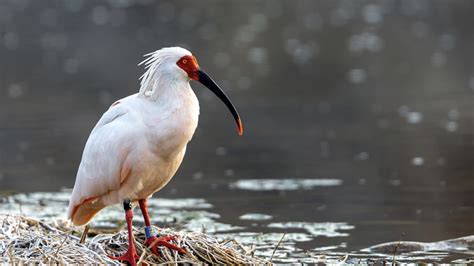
(173, 130)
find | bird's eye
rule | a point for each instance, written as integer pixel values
(185, 61)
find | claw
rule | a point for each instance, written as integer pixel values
(130, 256)
(154, 242)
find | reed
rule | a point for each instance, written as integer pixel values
(27, 240)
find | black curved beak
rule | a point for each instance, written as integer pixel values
(211, 84)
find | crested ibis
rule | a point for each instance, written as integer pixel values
(140, 141)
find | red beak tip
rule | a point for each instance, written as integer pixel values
(240, 127)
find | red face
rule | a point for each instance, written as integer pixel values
(189, 64)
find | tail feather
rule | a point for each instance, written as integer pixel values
(82, 213)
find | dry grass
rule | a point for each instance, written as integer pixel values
(26, 240)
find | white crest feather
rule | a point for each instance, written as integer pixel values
(156, 62)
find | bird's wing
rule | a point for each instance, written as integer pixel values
(102, 165)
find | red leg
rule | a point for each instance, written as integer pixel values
(152, 241)
(144, 208)
(131, 255)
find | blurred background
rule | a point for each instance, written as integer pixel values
(377, 97)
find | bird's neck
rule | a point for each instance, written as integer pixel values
(162, 87)
(169, 90)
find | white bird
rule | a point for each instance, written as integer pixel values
(139, 142)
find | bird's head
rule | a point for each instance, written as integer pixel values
(178, 63)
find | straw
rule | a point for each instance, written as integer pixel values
(27, 240)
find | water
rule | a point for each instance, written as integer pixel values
(276, 241)
(377, 98)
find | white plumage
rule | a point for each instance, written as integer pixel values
(139, 142)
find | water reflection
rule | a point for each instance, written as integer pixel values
(255, 217)
(317, 229)
(283, 184)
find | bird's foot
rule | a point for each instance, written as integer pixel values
(154, 242)
(130, 256)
